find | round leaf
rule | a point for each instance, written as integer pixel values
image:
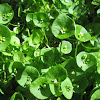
(48, 55)
(82, 34)
(40, 19)
(29, 74)
(56, 74)
(97, 55)
(86, 60)
(36, 37)
(15, 41)
(17, 96)
(96, 95)
(93, 28)
(6, 13)
(67, 88)
(29, 17)
(15, 67)
(67, 2)
(80, 83)
(66, 47)
(39, 89)
(5, 37)
(63, 27)
(56, 89)
(19, 56)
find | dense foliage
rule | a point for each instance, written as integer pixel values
(49, 49)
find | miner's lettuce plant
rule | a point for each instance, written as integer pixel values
(49, 49)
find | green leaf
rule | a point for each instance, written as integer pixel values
(86, 60)
(36, 37)
(82, 34)
(15, 41)
(93, 28)
(56, 89)
(29, 17)
(1, 90)
(15, 67)
(20, 9)
(56, 74)
(6, 13)
(17, 96)
(67, 2)
(40, 19)
(96, 2)
(98, 12)
(5, 37)
(40, 89)
(77, 10)
(65, 46)
(95, 95)
(97, 55)
(63, 27)
(19, 56)
(67, 88)
(48, 55)
(80, 83)
(27, 76)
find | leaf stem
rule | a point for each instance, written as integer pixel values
(89, 47)
(45, 37)
(76, 48)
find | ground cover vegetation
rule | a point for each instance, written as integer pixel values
(50, 49)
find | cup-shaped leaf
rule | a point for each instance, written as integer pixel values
(97, 55)
(26, 92)
(67, 88)
(28, 75)
(41, 19)
(17, 96)
(40, 89)
(56, 74)
(67, 2)
(15, 67)
(15, 41)
(48, 55)
(80, 83)
(6, 13)
(29, 17)
(5, 37)
(19, 56)
(63, 27)
(56, 89)
(77, 10)
(65, 46)
(36, 37)
(82, 34)
(95, 95)
(86, 60)
(93, 28)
